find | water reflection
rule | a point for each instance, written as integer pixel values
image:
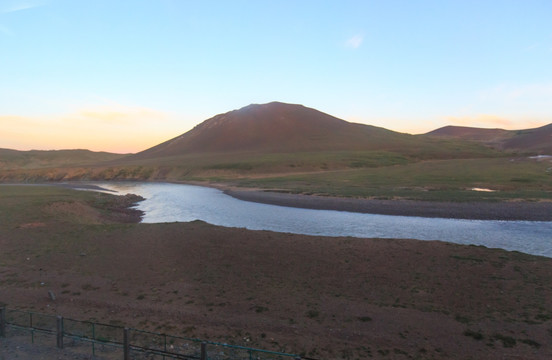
(174, 202)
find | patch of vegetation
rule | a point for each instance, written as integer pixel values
(477, 335)
(232, 166)
(400, 352)
(507, 341)
(543, 317)
(311, 314)
(467, 258)
(89, 287)
(260, 309)
(383, 352)
(530, 343)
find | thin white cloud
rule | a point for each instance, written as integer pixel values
(19, 6)
(16, 6)
(354, 42)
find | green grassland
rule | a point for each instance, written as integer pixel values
(29, 203)
(417, 173)
(383, 175)
(37, 159)
(436, 180)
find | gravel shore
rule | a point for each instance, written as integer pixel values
(531, 211)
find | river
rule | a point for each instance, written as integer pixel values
(176, 202)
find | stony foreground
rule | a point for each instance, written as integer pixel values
(320, 297)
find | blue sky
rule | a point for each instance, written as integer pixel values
(125, 75)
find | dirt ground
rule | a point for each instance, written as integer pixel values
(321, 297)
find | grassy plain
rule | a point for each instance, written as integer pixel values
(434, 180)
(420, 174)
(38, 159)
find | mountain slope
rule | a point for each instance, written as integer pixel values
(537, 140)
(286, 128)
(273, 127)
(471, 133)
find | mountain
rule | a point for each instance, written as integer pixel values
(274, 127)
(287, 128)
(537, 140)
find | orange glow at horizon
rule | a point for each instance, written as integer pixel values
(424, 125)
(123, 130)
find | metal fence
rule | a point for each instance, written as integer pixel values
(118, 342)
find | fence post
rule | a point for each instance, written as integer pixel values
(2, 322)
(203, 351)
(60, 332)
(126, 344)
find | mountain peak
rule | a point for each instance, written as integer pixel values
(270, 127)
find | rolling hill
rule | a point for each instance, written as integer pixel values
(39, 159)
(471, 133)
(537, 140)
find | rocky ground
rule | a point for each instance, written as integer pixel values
(323, 298)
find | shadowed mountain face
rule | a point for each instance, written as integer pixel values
(277, 127)
(537, 140)
(471, 133)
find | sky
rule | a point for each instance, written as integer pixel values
(122, 76)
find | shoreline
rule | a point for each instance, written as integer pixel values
(324, 297)
(507, 211)
(502, 211)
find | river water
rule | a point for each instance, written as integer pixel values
(175, 202)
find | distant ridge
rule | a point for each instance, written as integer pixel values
(470, 133)
(277, 127)
(15, 159)
(537, 140)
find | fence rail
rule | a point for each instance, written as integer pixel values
(131, 342)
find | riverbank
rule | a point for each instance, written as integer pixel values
(503, 210)
(322, 297)
(509, 210)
